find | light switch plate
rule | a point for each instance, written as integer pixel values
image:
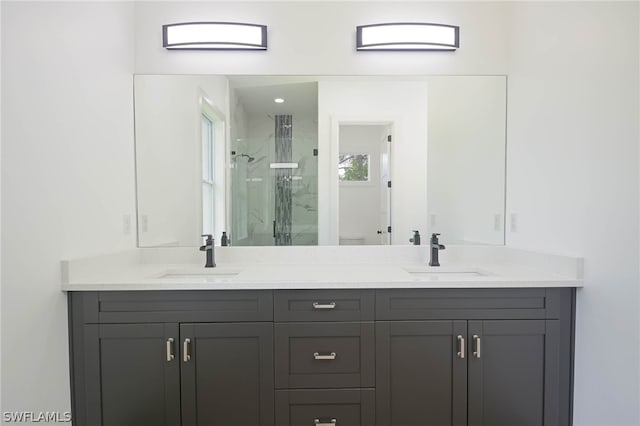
(497, 222)
(513, 227)
(126, 224)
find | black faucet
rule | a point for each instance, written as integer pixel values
(208, 247)
(415, 239)
(435, 246)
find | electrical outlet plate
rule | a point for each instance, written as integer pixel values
(497, 222)
(126, 224)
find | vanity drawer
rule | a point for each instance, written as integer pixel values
(343, 407)
(176, 306)
(481, 303)
(324, 305)
(326, 355)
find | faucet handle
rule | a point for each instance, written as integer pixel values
(209, 239)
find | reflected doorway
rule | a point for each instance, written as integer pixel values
(364, 176)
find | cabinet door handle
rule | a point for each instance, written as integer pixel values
(319, 422)
(185, 350)
(170, 355)
(331, 305)
(330, 356)
(460, 346)
(476, 345)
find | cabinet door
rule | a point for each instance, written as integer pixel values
(513, 373)
(227, 374)
(420, 374)
(130, 378)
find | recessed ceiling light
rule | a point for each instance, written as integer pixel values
(278, 100)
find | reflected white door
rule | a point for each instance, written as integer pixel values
(364, 176)
(385, 140)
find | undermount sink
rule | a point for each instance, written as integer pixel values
(437, 274)
(200, 275)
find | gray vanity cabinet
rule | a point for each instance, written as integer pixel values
(385, 357)
(176, 372)
(325, 357)
(462, 369)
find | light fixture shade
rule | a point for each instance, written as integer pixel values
(214, 36)
(407, 36)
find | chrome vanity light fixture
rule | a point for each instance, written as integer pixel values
(408, 36)
(214, 36)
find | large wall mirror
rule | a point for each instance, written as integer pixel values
(307, 160)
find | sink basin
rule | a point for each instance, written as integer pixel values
(437, 274)
(200, 275)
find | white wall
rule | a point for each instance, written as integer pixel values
(573, 180)
(168, 115)
(1, 405)
(0, 211)
(67, 176)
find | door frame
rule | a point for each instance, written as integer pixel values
(334, 152)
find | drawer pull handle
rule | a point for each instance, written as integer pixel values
(330, 356)
(331, 422)
(170, 355)
(460, 346)
(185, 350)
(317, 305)
(476, 342)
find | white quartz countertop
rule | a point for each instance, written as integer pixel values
(253, 268)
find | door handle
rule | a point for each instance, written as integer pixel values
(476, 346)
(332, 355)
(318, 422)
(460, 346)
(170, 355)
(186, 357)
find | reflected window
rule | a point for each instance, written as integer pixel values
(353, 167)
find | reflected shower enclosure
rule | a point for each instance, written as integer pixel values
(274, 167)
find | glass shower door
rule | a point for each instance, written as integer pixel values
(275, 187)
